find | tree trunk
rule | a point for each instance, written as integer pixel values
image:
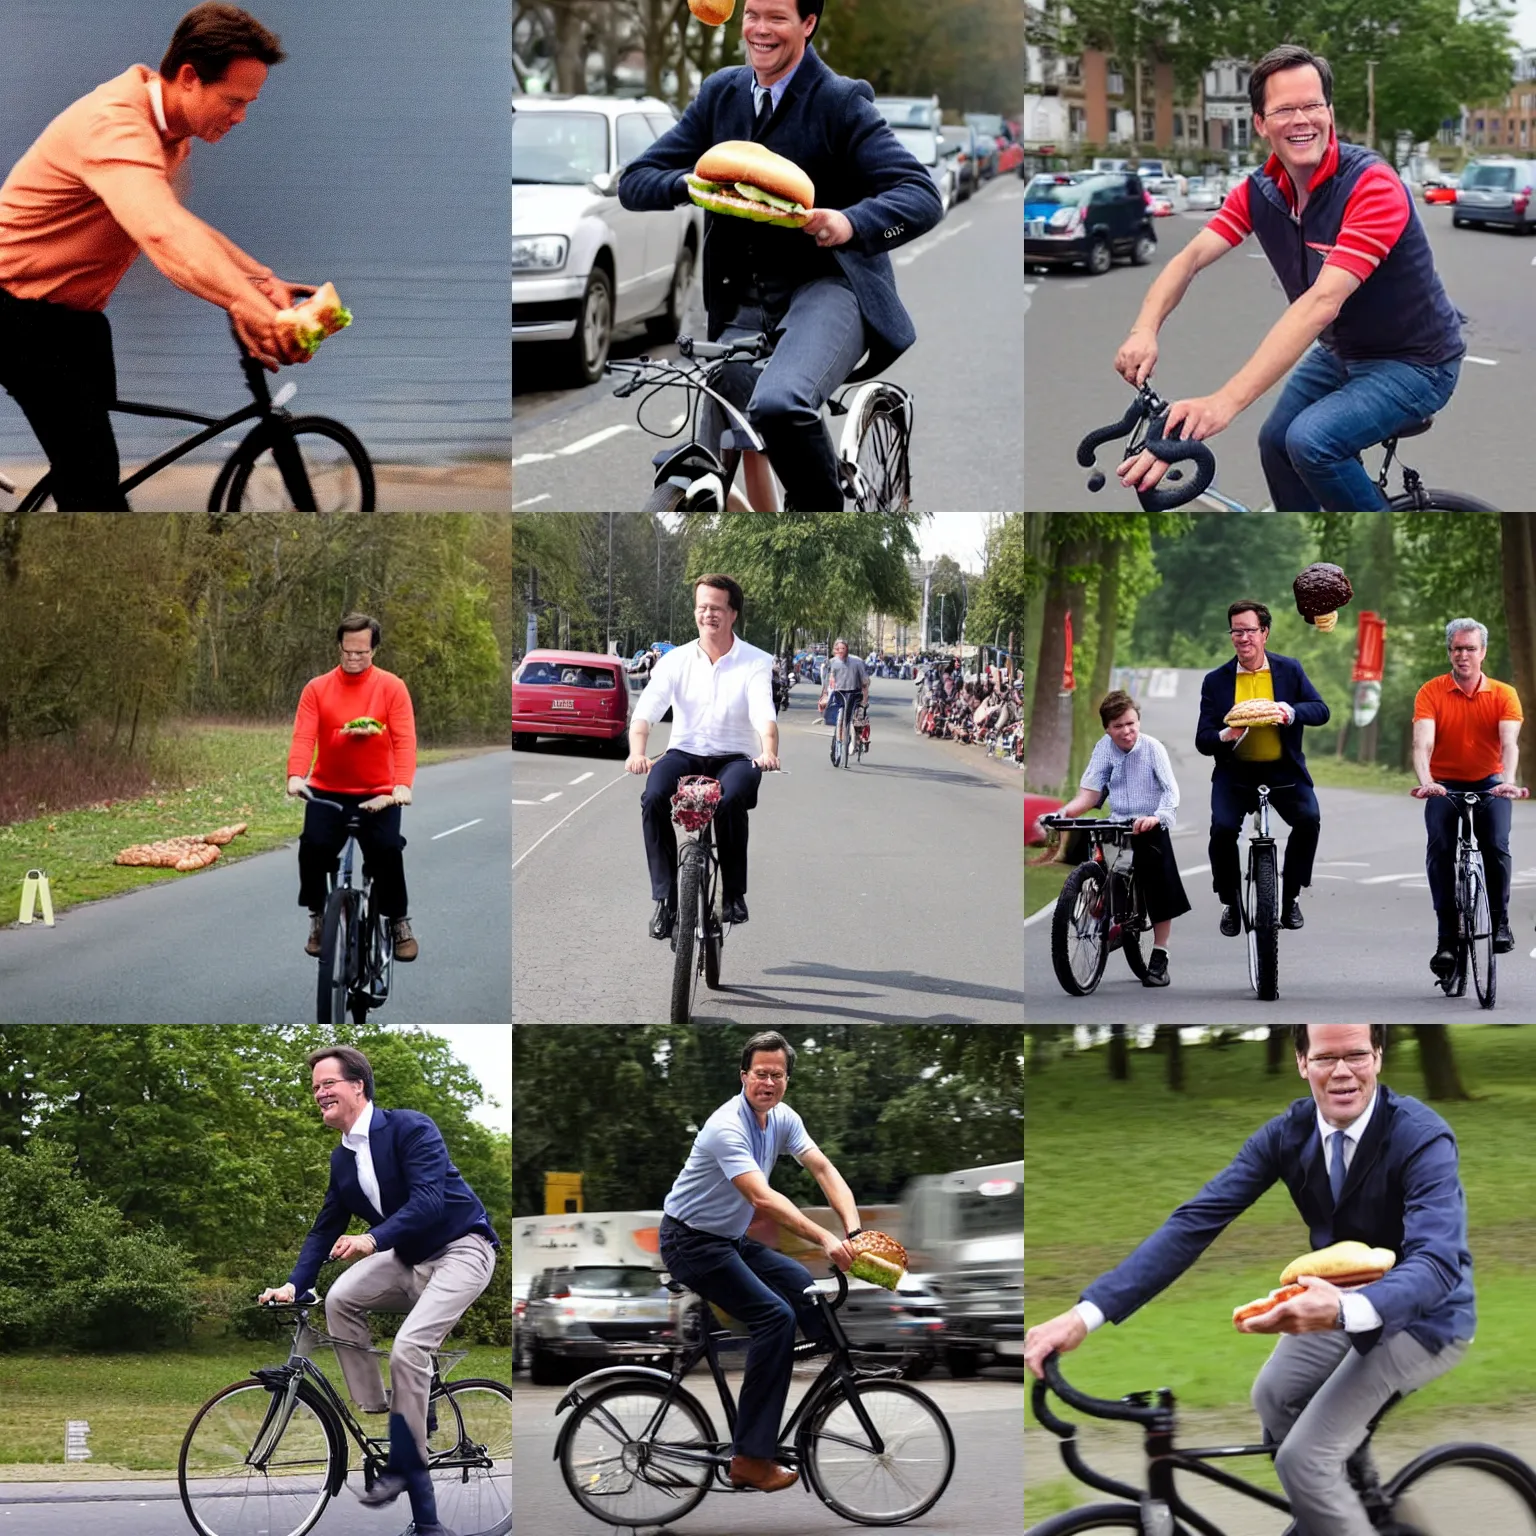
(1035, 525)
(1168, 1039)
(1119, 1054)
(1438, 1060)
(1048, 748)
(1518, 531)
(1276, 1043)
(1085, 719)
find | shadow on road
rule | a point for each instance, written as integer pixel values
(927, 775)
(842, 1001)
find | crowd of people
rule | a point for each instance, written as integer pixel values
(987, 710)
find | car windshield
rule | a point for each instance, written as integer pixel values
(1495, 178)
(923, 142)
(1047, 189)
(987, 122)
(907, 114)
(628, 1282)
(561, 149)
(988, 1215)
(565, 674)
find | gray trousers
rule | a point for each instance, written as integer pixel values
(1315, 1396)
(435, 1293)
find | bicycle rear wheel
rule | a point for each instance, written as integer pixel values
(1263, 919)
(1457, 1488)
(685, 931)
(1092, 1517)
(1478, 925)
(339, 956)
(471, 1457)
(1130, 930)
(1079, 930)
(881, 437)
(261, 476)
(1430, 500)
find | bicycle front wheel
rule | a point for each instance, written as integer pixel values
(881, 437)
(685, 971)
(1078, 930)
(316, 465)
(1453, 1489)
(1480, 940)
(245, 1470)
(1430, 500)
(1090, 1518)
(714, 932)
(1263, 917)
(338, 957)
(888, 1487)
(471, 1457)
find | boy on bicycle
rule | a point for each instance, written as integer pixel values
(1132, 771)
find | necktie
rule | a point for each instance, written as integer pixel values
(764, 110)
(1336, 1173)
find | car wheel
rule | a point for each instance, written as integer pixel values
(666, 325)
(545, 1369)
(1458, 223)
(1100, 258)
(1144, 250)
(962, 1363)
(522, 741)
(587, 350)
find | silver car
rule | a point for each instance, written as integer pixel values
(586, 1315)
(1203, 195)
(1496, 189)
(904, 1325)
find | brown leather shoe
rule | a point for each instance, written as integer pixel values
(759, 1472)
(406, 947)
(316, 919)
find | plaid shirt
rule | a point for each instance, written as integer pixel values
(1140, 782)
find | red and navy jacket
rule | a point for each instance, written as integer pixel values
(1359, 216)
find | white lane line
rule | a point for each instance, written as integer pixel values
(1342, 864)
(579, 446)
(946, 232)
(584, 804)
(1487, 362)
(1196, 869)
(525, 802)
(517, 506)
(461, 826)
(531, 458)
(581, 778)
(1387, 879)
(554, 796)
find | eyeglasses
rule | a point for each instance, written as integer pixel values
(766, 1077)
(329, 1082)
(1354, 1060)
(1237, 634)
(1466, 650)
(1283, 115)
(355, 652)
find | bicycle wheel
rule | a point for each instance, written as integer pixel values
(1092, 1517)
(1453, 1489)
(471, 1457)
(1131, 931)
(685, 971)
(1079, 928)
(1263, 918)
(1429, 500)
(881, 452)
(664, 498)
(260, 477)
(1455, 985)
(237, 1480)
(1480, 939)
(338, 957)
(614, 1454)
(887, 1488)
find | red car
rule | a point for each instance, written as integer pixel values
(571, 693)
(1440, 194)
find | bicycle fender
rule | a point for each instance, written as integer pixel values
(1176, 450)
(848, 443)
(579, 1389)
(690, 459)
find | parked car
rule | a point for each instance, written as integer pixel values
(992, 133)
(1087, 219)
(1497, 189)
(926, 145)
(1440, 194)
(587, 1315)
(910, 111)
(1203, 194)
(906, 1322)
(959, 141)
(1161, 205)
(571, 693)
(1156, 177)
(582, 265)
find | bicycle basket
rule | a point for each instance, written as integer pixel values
(693, 806)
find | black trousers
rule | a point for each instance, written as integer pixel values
(321, 842)
(1157, 875)
(57, 363)
(1490, 824)
(739, 777)
(1233, 798)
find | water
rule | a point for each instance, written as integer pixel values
(378, 157)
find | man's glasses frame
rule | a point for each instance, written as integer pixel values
(1354, 1060)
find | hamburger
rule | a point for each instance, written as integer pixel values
(1254, 712)
(322, 314)
(879, 1259)
(1321, 590)
(713, 13)
(364, 723)
(1342, 1264)
(748, 181)
(1266, 1303)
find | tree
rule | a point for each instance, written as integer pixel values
(996, 614)
(1437, 1060)
(1119, 1053)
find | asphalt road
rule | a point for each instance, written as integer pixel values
(882, 893)
(1074, 324)
(1370, 926)
(583, 450)
(228, 945)
(983, 1498)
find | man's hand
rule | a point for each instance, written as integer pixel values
(285, 294)
(378, 803)
(402, 794)
(1062, 1333)
(1233, 733)
(282, 1293)
(295, 784)
(1427, 791)
(1289, 709)
(1315, 1312)
(1137, 356)
(1508, 792)
(255, 320)
(838, 1249)
(1201, 417)
(1145, 824)
(767, 762)
(829, 227)
(354, 1247)
(637, 762)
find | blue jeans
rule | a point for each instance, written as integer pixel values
(1328, 412)
(1490, 824)
(764, 1290)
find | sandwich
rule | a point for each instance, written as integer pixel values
(1254, 712)
(713, 13)
(322, 314)
(1342, 1264)
(364, 723)
(879, 1259)
(1321, 590)
(748, 181)
(1266, 1303)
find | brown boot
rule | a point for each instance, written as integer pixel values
(406, 947)
(316, 919)
(758, 1472)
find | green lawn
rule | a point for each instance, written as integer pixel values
(1345, 773)
(1042, 885)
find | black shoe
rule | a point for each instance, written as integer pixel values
(1503, 939)
(387, 1487)
(1443, 961)
(1157, 969)
(1290, 914)
(662, 919)
(734, 909)
(1231, 920)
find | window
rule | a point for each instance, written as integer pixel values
(1178, 125)
(1148, 127)
(1115, 85)
(634, 135)
(556, 674)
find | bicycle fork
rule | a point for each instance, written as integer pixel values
(283, 1396)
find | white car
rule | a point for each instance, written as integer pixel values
(582, 265)
(1204, 195)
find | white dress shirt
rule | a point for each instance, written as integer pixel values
(717, 707)
(356, 1142)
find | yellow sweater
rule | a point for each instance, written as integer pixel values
(1262, 743)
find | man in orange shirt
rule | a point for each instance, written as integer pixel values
(1466, 737)
(359, 767)
(96, 188)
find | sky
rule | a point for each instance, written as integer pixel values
(1524, 24)
(960, 535)
(486, 1049)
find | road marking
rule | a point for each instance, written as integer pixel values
(588, 801)
(519, 505)
(1342, 864)
(461, 826)
(579, 446)
(947, 232)
(1050, 906)
(555, 795)
(1196, 869)
(582, 778)
(525, 802)
(1487, 362)
(1387, 879)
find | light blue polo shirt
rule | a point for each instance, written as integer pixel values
(731, 1144)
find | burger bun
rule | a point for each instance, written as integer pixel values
(1342, 1264)
(713, 13)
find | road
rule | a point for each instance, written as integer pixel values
(882, 893)
(228, 945)
(1370, 927)
(983, 1498)
(1074, 324)
(583, 450)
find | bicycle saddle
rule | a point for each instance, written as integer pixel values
(1416, 429)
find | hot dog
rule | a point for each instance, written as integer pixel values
(1346, 1263)
(1267, 1303)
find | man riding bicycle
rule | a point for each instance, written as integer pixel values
(720, 692)
(846, 676)
(827, 290)
(1339, 227)
(354, 737)
(1466, 738)
(97, 187)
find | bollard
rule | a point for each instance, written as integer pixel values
(35, 892)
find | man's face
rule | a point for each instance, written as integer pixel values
(1467, 652)
(1340, 1067)
(775, 37)
(340, 1101)
(1248, 638)
(1124, 729)
(357, 652)
(840, 650)
(1299, 138)
(765, 1080)
(713, 612)
(213, 108)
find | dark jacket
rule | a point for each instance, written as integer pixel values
(427, 1204)
(1402, 1192)
(1291, 685)
(828, 126)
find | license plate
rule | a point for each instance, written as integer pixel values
(1010, 1346)
(563, 704)
(1034, 228)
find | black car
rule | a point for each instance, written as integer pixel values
(1087, 219)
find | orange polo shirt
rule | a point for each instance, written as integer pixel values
(354, 765)
(79, 203)
(1466, 728)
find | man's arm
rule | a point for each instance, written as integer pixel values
(655, 180)
(769, 1202)
(1423, 746)
(834, 1186)
(901, 202)
(1509, 749)
(306, 729)
(329, 1225)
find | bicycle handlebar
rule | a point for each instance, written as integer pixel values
(1058, 823)
(1149, 413)
(1095, 1407)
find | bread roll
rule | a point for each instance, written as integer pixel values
(1346, 1263)
(880, 1259)
(1255, 712)
(713, 13)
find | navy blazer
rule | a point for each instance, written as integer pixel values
(1402, 1192)
(827, 124)
(1292, 686)
(427, 1204)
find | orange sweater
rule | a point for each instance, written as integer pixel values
(354, 765)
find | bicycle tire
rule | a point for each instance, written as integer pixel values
(843, 1439)
(580, 1483)
(1508, 1468)
(685, 972)
(1455, 985)
(1479, 922)
(1076, 906)
(338, 947)
(193, 1501)
(1092, 1517)
(470, 1505)
(252, 480)
(1430, 500)
(1130, 933)
(1263, 917)
(881, 453)
(666, 497)
(714, 932)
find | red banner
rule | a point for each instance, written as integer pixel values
(1068, 683)
(1370, 647)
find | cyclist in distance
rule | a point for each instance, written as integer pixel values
(360, 766)
(846, 675)
(720, 692)
(1340, 230)
(1361, 1163)
(429, 1252)
(827, 289)
(712, 1202)
(1466, 736)
(97, 187)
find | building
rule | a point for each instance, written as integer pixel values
(1506, 126)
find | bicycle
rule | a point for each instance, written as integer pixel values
(357, 948)
(872, 449)
(285, 463)
(641, 1450)
(1100, 908)
(850, 734)
(265, 1455)
(1144, 425)
(1436, 1494)
(1261, 904)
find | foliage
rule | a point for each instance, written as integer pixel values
(997, 600)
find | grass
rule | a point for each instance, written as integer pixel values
(1042, 885)
(203, 776)
(1344, 773)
